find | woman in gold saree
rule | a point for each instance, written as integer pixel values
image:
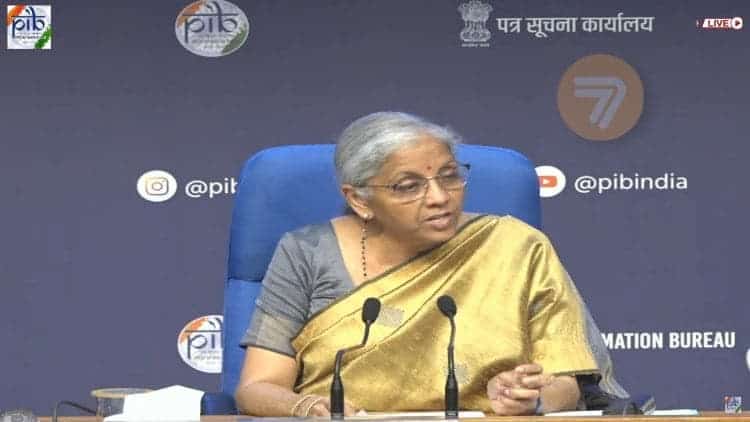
(523, 333)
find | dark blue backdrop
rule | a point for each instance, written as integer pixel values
(97, 282)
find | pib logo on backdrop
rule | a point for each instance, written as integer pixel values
(200, 343)
(29, 27)
(212, 28)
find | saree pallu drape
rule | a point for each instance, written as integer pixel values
(516, 304)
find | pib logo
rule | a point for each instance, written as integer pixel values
(29, 27)
(212, 28)
(200, 343)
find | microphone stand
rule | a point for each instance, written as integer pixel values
(370, 311)
(447, 306)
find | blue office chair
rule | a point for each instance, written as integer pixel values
(284, 188)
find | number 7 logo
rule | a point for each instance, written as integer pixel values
(600, 97)
(605, 88)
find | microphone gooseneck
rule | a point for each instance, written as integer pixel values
(370, 311)
(447, 306)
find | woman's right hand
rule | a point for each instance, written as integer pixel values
(266, 388)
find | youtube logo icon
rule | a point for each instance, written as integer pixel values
(551, 181)
(547, 181)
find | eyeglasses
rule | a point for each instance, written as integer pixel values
(413, 188)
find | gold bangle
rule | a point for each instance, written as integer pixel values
(293, 412)
(311, 405)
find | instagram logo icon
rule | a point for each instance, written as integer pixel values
(156, 186)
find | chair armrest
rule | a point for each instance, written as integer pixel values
(218, 404)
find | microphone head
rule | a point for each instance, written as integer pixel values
(370, 310)
(447, 306)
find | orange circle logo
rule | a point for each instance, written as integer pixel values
(600, 97)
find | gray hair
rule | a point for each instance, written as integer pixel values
(367, 142)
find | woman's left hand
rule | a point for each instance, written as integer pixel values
(517, 392)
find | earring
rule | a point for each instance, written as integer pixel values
(362, 250)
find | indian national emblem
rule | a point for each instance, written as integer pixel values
(475, 15)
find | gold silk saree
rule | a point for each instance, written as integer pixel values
(516, 304)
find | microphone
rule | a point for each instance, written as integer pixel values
(448, 307)
(370, 311)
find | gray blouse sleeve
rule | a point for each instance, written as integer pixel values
(282, 306)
